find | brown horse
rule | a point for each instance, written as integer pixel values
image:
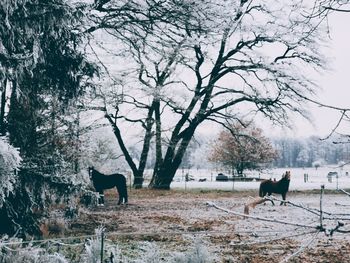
(267, 187)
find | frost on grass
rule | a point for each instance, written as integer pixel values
(150, 253)
(198, 254)
(12, 250)
(93, 247)
(15, 253)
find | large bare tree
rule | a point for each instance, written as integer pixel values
(218, 61)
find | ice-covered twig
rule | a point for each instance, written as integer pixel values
(340, 204)
(274, 239)
(345, 192)
(340, 224)
(315, 211)
(303, 247)
(260, 218)
(311, 210)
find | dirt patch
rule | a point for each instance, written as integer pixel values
(173, 219)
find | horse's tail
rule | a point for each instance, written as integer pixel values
(125, 187)
(261, 190)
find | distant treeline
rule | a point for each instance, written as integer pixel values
(292, 152)
(311, 151)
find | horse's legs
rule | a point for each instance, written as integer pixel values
(125, 194)
(120, 193)
(120, 201)
(273, 203)
(284, 199)
(101, 199)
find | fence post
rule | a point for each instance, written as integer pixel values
(321, 210)
(102, 245)
(337, 177)
(305, 178)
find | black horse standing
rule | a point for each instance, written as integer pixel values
(267, 187)
(102, 182)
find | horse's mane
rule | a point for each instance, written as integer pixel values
(283, 183)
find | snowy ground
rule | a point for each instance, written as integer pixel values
(173, 220)
(316, 178)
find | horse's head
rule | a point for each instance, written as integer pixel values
(90, 169)
(287, 175)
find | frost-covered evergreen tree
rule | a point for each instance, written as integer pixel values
(9, 164)
(43, 72)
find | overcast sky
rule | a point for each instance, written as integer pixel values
(334, 84)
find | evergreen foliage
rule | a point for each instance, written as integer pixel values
(44, 72)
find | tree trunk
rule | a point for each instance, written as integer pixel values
(240, 168)
(137, 172)
(2, 108)
(164, 176)
(159, 154)
(125, 151)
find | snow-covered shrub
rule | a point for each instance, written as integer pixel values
(317, 164)
(9, 163)
(93, 248)
(18, 254)
(111, 252)
(198, 254)
(150, 253)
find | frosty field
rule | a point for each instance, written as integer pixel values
(179, 226)
(174, 221)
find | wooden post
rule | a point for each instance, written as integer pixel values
(321, 210)
(337, 177)
(102, 240)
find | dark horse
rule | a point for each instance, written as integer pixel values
(280, 187)
(102, 182)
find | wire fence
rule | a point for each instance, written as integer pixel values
(104, 238)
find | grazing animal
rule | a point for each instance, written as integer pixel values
(267, 187)
(102, 182)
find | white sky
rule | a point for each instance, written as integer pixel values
(334, 89)
(334, 84)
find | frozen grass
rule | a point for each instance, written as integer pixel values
(147, 253)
